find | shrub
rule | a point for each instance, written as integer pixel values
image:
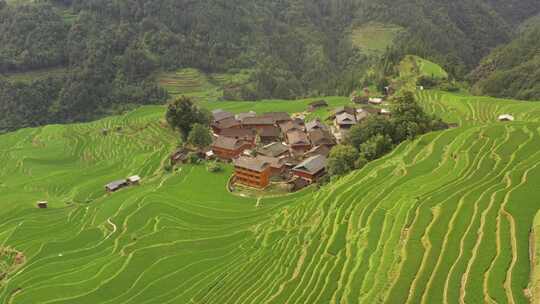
(193, 158)
(214, 167)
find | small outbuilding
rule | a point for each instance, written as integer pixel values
(134, 180)
(116, 185)
(311, 169)
(42, 204)
(506, 117)
(375, 101)
(317, 105)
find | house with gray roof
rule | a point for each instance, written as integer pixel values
(311, 169)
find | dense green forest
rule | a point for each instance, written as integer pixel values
(111, 50)
(512, 70)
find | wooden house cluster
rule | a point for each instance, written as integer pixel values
(344, 118)
(271, 145)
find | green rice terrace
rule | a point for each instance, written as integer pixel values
(446, 218)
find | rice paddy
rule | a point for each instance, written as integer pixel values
(445, 218)
(374, 38)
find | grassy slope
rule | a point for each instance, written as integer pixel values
(416, 66)
(444, 217)
(535, 278)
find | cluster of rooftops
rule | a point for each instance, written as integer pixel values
(277, 144)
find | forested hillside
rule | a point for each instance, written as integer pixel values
(512, 70)
(112, 50)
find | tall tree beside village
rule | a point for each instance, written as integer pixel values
(183, 114)
(199, 136)
(342, 159)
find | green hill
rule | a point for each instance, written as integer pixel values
(441, 219)
(512, 70)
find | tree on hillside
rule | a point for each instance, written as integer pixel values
(342, 160)
(372, 126)
(182, 114)
(376, 147)
(199, 136)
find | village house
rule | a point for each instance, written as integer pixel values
(227, 123)
(252, 172)
(278, 117)
(371, 110)
(314, 106)
(247, 135)
(344, 121)
(228, 148)
(277, 164)
(288, 126)
(259, 122)
(318, 150)
(134, 180)
(275, 149)
(219, 115)
(361, 115)
(311, 169)
(375, 101)
(345, 109)
(297, 183)
(321, 137)
(270, 134)
(298, 141)
(315, 125)
(180, 155)
(241, 116)
(360, 99)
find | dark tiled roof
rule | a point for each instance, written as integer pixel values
(321, 137)
(116, 184)
(318, 150)
(251, 163)
(274, 162)
(315, 124)
(312, 165)
(345, 109)
(319, 103)
(238, 133)
(274, 149)
(220, 115)
(227, 123)
(259, 120)
(345, 119)
(297, 137)
(278, 116)
(270, 132)
(242, 116)
(228, 143)
(290, 125)
(371, 110)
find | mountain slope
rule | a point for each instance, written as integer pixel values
(110, 51)
(512, 70)
(443, 218)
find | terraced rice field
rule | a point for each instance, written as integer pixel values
(443, 219)
(374, 38)
(36, 75)
(188, 82)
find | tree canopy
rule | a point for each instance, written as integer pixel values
(182, 115)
